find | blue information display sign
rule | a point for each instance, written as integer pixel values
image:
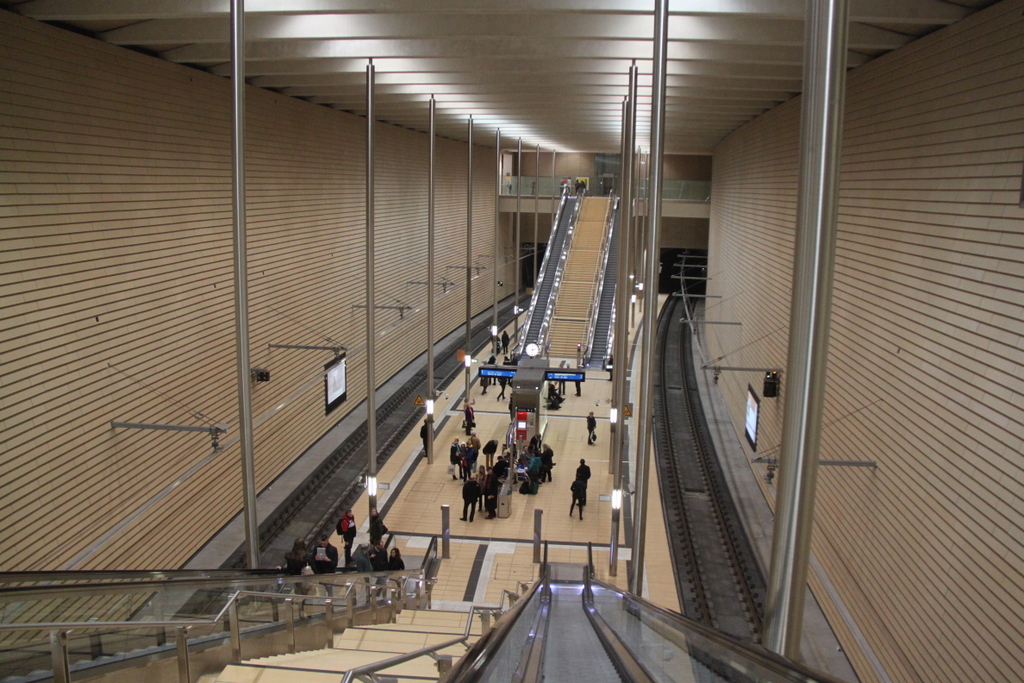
(559, 376)
(497, 372)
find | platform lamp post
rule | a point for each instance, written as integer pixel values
(252, 542)
(647, 360)
(469, 255)
(621, 337)
(497, 239)
(430, 289)
(371, 381)
(821, 136)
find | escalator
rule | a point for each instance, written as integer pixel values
(542, 299)
(586, 630)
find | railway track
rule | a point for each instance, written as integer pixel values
(719, 582)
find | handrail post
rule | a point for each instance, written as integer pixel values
(181, 640)
(59, 656)
(329, 623)
(446, 532)
(373, 603)
(236, 633)
(485, 623)
(289, 622)
(350, 598)
(538, 514)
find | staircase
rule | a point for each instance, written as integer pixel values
(362, 645)
(569, 324)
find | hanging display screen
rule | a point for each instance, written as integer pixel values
(335, 389)
(753, 407)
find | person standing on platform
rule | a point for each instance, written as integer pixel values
(425, 436)
(455, 456)
(377, 528)
(395, 562)
(470, 495)
(490, 448)
(579, 496)
(578, 387)
(547, 458)
(491, 487)
(469, 417)
(484, 383)
(325, 557)
(504, 341)
(347, 530)
(591, 429)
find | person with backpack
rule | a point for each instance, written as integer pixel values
(455, 457)
(347, 530)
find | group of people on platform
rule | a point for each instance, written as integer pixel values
(323, 558)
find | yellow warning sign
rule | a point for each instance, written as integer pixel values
(418, 401)
(627, 411)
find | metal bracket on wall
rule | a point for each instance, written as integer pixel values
(445, 284)
(336, 349)
(213, 430)
(401, 307)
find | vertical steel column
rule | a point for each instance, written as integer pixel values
(621, 334)
(252, 529)
(371, 375)
(497, 239)
(554, 201)
(647, 361)
(431, 395)
(469, 254)
(536, 208)
(516, 249)
(821, 134)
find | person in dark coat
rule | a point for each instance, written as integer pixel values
(579, 496)
(502, 382)
(491, 486)
(347, 530)
(504, 341)
(469, 417)
(425, 436)
(295, 559)
(591, 429)
(455, 456)
(484, 383)
(363, 564)
(583, 471)
(377, 528)
(547, 459)
(324, 557)
(470, 495)
(395, 562)
(379, 558)
(490, 448)
(500, 470)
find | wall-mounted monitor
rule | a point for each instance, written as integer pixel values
(335, 388)
(753, 407)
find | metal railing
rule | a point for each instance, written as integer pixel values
(520, 342)
(210, 609)
(598, 285)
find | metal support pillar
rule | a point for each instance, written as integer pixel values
(538, 516)
(497, 240)
(621, 335)
(446, 532)
(245, 426)
(516, 249)
(431, 394)
(371, 375)
(821, 133)
(554, 199)
(647, 361)
(469, 253)
(536, 214)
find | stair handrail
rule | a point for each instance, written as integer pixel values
(409, 656)
(625, 662)
(518, 348)
(598, 287)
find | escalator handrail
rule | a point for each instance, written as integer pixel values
(559, 268)
(724, 646)
(625, 662)
(476, 660)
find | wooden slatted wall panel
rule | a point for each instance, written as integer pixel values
(926, 358)
(117, 298)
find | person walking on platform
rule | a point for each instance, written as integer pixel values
(583, 471)
(504, 341)
(591, 429)
(470, 495)
(484, 383)
(502, 382)
(579, 496)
